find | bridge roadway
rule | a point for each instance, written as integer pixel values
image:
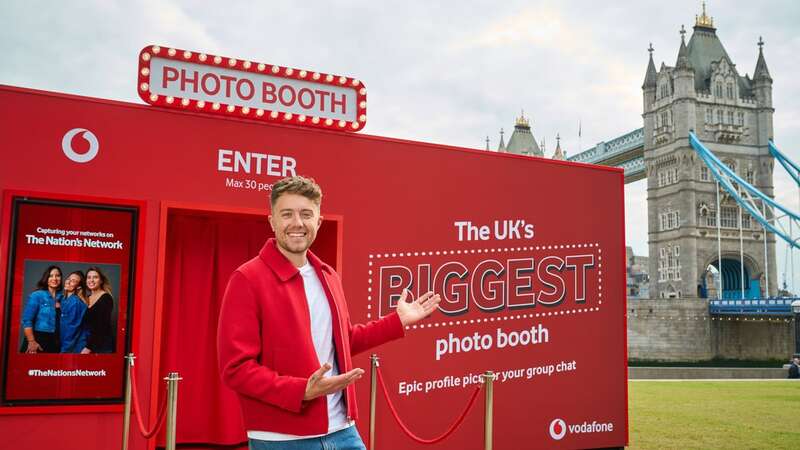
(626, 151)
(772, 306)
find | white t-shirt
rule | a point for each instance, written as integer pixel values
(322, 335)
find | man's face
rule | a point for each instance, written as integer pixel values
(295, 220)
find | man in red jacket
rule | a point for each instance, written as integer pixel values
(285, 339)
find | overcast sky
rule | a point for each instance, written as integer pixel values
(444, 72)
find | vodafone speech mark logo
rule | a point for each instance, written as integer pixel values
(88, 136)
(558, 428)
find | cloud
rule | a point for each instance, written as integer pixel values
(539, 25)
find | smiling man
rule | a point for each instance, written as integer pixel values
(285, 340)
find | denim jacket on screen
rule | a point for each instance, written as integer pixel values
(40, 311)
(73, 334)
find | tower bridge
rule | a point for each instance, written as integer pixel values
(705, 151)
(702, 92)
(702, 242)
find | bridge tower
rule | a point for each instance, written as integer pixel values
(732, 114)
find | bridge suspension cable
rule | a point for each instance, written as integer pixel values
(791, 167)
(771, 215)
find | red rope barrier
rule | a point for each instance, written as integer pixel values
(412, 435)
(138, 411)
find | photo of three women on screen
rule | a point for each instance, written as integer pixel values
(69, 315)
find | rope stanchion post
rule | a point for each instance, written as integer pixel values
(126, 418)
(373, 394)
(172, 408)
(488, 381)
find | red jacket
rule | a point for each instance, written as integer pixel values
(266, 352)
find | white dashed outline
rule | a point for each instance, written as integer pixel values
(451, 323)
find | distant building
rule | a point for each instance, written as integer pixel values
(638, 280)
(522, 141)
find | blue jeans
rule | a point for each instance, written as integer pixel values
(347, 439)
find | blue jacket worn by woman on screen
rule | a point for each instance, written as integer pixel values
(72, 333)
(40, 311)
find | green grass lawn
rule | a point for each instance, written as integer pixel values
(714, 414)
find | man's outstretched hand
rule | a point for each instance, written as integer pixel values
(409, 312)
(412, 312)
(319, 385)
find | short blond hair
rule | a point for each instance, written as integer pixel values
(299, 185)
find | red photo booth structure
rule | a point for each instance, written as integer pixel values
(527, 253)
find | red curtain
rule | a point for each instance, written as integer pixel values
(203, 249)
(202, 252)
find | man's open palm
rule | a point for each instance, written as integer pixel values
(319, 385)
(414, 311)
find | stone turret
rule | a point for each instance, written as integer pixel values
(559, 154)
(649, 85)
(762, 89)
(683, 91)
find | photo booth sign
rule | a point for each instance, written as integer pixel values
(527, 253)
(214, 84)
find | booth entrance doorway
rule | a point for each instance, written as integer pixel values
(201, 250)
